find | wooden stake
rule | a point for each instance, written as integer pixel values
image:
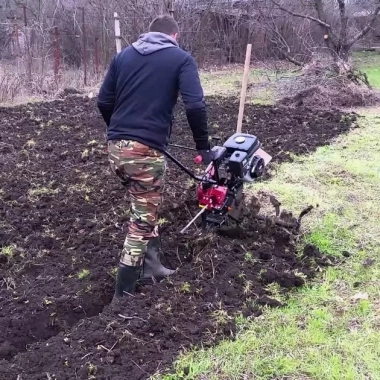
(244, 88)
(117, 33)
(84, 47)
(171, 8)
(25, 18)
(57, 55)
(97, 57)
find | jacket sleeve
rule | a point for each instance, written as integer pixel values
(193, 98)
(106, 97)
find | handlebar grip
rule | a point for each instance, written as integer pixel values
(198, 159)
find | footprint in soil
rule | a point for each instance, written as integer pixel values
(21, 326)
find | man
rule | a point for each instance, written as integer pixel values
(136, 101)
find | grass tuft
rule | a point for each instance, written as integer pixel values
(8, 251)
(84, 273)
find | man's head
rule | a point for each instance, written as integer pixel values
(165, 24)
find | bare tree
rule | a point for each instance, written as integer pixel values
(36, 35)
(335, 21)
(292, 40)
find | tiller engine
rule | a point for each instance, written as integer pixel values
(220, 193)
(220, 190)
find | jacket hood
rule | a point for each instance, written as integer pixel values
(149, 43)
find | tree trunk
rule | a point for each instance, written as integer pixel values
(341, 59)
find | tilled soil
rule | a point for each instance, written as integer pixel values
(62, 217)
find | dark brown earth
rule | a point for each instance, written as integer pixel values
(62, 212)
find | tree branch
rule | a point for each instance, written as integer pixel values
(286, 53)
(367, 28)
(278, 40)
(317, 20)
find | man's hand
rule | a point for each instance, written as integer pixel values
(207, 156)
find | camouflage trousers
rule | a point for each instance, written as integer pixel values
(141, 170)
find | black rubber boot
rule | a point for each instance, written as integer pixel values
(153, 271)
(126, 280)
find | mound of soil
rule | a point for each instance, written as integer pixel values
(62, 218)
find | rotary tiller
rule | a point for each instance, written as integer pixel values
(220, 189)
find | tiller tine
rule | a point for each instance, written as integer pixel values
(283, 218)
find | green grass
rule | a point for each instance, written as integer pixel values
(84, 273)
(373, 74)
(260, 84)
(369, 62)
(7, 251)
(330, 329)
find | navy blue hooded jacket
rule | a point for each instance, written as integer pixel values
(141, 89)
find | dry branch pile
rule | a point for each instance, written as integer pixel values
(341, 96)
(320, 86)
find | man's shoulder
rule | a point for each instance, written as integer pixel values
(126, 51)
(186, 54)
(188, 61)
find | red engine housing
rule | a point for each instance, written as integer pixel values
(212, 197)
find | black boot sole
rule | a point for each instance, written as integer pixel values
(148, 281)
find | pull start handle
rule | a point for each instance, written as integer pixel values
(198, 159)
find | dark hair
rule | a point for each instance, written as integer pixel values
(164, 24)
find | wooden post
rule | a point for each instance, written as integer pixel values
(25, 18)
(18, 47)
(27, 42)
(17, 33)
(57, 56)
(244, 88)
(84, 48)
(171, 8)
(117, 33)
(97, 57)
